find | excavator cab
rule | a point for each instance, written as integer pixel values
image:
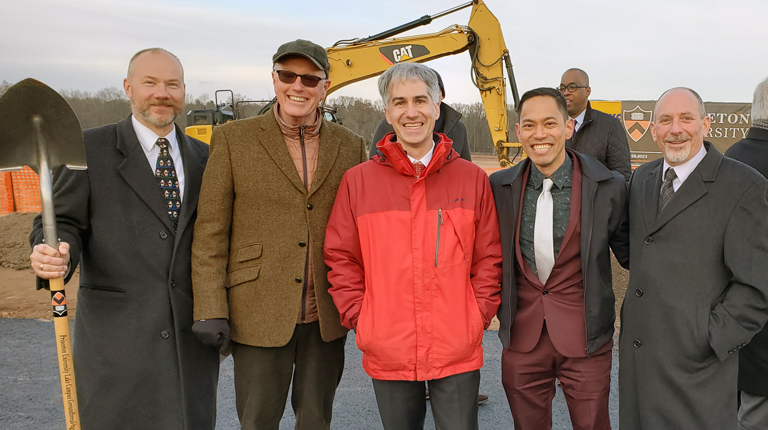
(200, 122)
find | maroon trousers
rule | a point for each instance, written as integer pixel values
(529, 381)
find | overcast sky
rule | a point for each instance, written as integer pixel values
(632, 50)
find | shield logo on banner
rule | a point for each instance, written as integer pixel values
(636, 122)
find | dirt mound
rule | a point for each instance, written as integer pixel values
(14, 240)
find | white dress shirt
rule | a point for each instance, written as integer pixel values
(579, 121)
(684, 170)
(148, 140)
(425, 159)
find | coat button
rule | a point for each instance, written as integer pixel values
(302, 243)
(545, 292)
(639, 292)
(648, 240)
(298, 280)
(165, 334)
(163, 234)
(309, 206)
(637, 344)
(173, 284)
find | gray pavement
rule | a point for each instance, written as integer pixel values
(30, 396)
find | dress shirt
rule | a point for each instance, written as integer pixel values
(561, 199)
(425, 159)
(684, 170)
(579, 120)
(148, 141)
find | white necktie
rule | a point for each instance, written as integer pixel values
(543, 244)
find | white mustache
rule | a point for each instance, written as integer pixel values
(677, 138)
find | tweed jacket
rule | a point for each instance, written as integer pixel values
(255, 220)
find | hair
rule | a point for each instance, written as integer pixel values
(544, 92)
(154, 51)
(702, 109)
(409, 72)
(760, 101)
(581, 72)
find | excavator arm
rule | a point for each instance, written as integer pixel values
(359, 59)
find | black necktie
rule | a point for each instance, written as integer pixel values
(168, 181)
(667, 190)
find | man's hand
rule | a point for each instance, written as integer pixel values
(49, 263)
(214, 333)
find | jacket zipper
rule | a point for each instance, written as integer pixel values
(439, 223)
(306, 258)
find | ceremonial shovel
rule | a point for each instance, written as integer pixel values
(39, 129)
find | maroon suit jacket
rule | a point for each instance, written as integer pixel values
(561, 300)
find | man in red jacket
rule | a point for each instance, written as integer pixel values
(415, 261)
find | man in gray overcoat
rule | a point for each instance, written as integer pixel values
(127, 221)
(698, 287)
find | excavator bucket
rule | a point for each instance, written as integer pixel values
(61, 134)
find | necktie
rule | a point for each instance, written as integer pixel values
(165, 173)
(667, 190)
(419, 167)
(575, 126)
(543, 243)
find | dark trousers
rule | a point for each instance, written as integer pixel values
(403, 406)
(263, 378)
(529, 381)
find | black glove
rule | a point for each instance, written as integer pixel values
(214, 333)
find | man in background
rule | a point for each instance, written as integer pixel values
(594, 133)
(753, 358)
(128, 221)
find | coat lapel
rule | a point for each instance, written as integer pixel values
(651, 191)
(194, 165)
(136, 171)
(692, 189)
(326, 157)
(514, 178)
(272, 140)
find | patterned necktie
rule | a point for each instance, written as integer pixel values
(168, 181)
(543, 232)
(667, 190)
(419, 167)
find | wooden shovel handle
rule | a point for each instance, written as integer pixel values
(64, 347)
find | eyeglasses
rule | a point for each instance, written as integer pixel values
(287, 77)
(571, 87)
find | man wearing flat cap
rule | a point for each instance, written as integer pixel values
(258, 273)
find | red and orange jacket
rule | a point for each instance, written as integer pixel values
(415, 262)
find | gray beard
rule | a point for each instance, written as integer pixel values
(677, 156)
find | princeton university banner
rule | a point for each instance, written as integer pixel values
(730, 123)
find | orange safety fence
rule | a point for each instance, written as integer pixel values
(19, 191)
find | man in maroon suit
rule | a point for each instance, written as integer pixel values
(559, 211)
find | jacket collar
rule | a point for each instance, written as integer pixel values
(390, 153)
(756, 133)
(692, 189)
(273, 141)
(590, 167)
(138, 174)
(450, 115)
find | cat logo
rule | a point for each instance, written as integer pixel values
(397, 53)
(636, 122)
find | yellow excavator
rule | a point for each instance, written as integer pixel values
(354, 60)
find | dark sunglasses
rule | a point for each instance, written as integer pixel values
(309, 81)
(571, 87)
